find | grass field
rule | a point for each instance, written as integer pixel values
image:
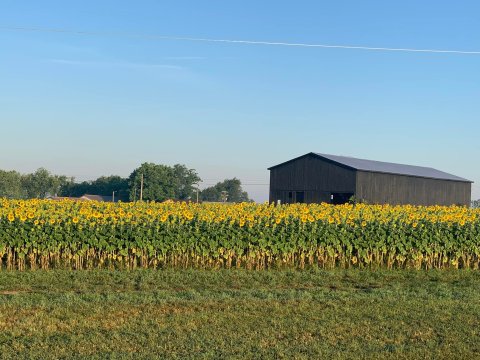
(224, 314)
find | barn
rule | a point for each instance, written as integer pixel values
(316, 178)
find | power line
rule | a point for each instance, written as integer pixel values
(232, 41)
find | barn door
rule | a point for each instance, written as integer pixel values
(340, 198)
(300, 196)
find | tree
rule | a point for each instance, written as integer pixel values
(11, 185)
(162, 182)
(104, 185)
(73, 189)
(184, 180)
(158, 182)
(42, 183)
(59, 182)
(229, 190)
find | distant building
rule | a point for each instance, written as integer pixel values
(59, 198)
(86, 197)
(103, 198)
(316, 178)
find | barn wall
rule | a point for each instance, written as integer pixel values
(379, 188)
(314, 176)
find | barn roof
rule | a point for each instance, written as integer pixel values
(386, 167)
(96, 197)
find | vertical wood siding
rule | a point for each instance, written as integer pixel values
(378, 188)
(316, 177)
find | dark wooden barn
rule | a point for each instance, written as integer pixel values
(316, 178)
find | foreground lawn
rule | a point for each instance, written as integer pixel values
(180, 314)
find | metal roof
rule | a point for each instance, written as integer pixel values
(96, 197)
(386, 167)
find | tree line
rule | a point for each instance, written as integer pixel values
(151, 182)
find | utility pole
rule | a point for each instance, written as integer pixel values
(141, 188)
(113, 196)
(224, 196)
(197, 195)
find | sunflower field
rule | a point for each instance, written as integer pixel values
(42, 234)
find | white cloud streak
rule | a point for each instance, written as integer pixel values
(184, 58)
(245, 42)
(122, 64)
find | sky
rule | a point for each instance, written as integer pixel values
(102, 103)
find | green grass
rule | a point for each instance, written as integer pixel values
(240, 314)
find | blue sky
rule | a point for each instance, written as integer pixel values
(91, 105)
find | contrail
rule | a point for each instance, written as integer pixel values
(232, 41)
